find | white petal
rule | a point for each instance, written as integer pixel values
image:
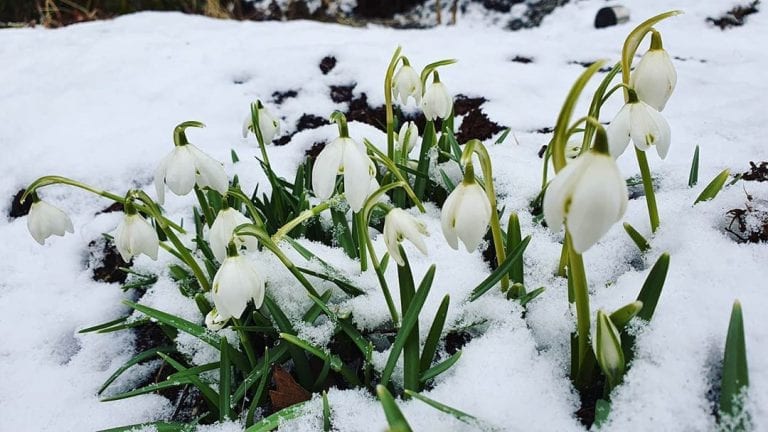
(436, 102)
(45, 220)
(649, 128)
(597, 203)
(234, 285)
(221, 231)
(559, 191)
(326, 168)
(391, 239)
(618, 131)
(210, 172)
(162, 167)
(448, 216)
(357, 176)
(122, 239)
(269, 125)
(654, 78)
(144, 239)
(180, 171)
(472, 216)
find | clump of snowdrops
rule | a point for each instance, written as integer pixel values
(218, 261)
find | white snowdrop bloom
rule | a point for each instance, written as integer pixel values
(45, 220)
(268, 124)
(135, 236)
(343, 156)
(589, 195)
(185, 166)
(400, 225)
(437, 102)
(214, 321)
(408, 136)
(221, 231)
(654, 78)
(238, 281)
(643, 124)
(465, 215)
(406, 83)
(606, 345)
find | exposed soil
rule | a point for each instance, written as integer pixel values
(522, 59)
(749, 224)
(109, 262)
(17, 208)
(327, 64)
(342, 93)
(758, 173)
(279, 97)
(735, 17)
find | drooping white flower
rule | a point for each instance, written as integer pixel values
(643, 124)
(135, 236)
(406, 83)
(437, 102)
(654, 78)
(408, 136)
(343, 156)
(465, 215)
(45, 220)
(221, 231)
(268, 124)
(589, 195)
(238, 281)
(185, 166)
(214, 321)
(400, 225)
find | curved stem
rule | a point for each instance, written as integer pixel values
(581, 298)
(207, 211)
(388, 102)
(650, 195)
(257, 130)
(303, 216)
(395, 172)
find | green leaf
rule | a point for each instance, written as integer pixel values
(449, 185)
(433, 337)
(460, 415)
(160, 426)
(346, 327)
(310, 316)
(275, 420)
(530, 296)
(192, 375)
(735, 372)
(225, 381)
(264, 379)
(714, 187)
(503, 269)
(427, 142)
(410, 318)
(602, 411)
(151, 388)
(621, 317)
(103, 326)
(411, 346)
(326, 413)
(276, 354)
(343, 285)
(344, 236)
(335, 361)
(285, 326)
(503, 136)
(693, 177)
(181, 324)
(235, 158)
(514, 238)
(138, 358)
(440, 367)
(608, 351)
(636, 237)
(395, 417)
(651, 291)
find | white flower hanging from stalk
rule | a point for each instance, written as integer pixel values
(186, 166)
(45, 220)
(268, 124)
(221, 231)
(466, 214)
(654, 77)
(399, 225)
(437, 102)
(407, 137)
(214, 321)
(643, 124)
(238, 281)
(405, 84)
(346, 157)
(135, 236)
(589, 195)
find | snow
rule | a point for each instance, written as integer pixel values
(97, 102)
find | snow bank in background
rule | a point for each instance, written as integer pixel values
(98, 101)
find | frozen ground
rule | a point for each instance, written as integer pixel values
(97, 102)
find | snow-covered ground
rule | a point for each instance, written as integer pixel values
(97, 102)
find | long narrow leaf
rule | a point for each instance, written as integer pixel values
(503, 269)
(460, 415)
(714, 187)
(636, 237)
(693, 176)
(440, 367)
(395, 417)
(433, 337)
(272, 422)
(285, 326)
(138, 358)
(652, 287)
(735, 370)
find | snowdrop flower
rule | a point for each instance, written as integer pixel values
(185, 166)
(400, 225)
(436, 102)
(408, 136)
(221, 231)
(607, 347)
(406, 83)
(268, 124)
(135, 236)
(238, 281)
(214, 321)
(643, 124)
(589, 195)
(343, 156)
(655, 77)
(45, 220)
(465, 215)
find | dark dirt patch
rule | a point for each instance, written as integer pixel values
(735, 17)
(114, 207)
(342, 93)
(522, 59)
(589, 398)
(306, 121)
(315, 150)
(545, 130)
(535, 14)
(542, 151)
(586, 64)
(749, 224)
(109, 262)
(360, 110)
(17, 208)
(279, 97)
(464, 104)
(383, 9)
(758, 173)
(476, 124)
(455, 340)
(327, 64)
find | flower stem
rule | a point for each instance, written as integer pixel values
(255, 107)
(303, 216)
(388, 102)
(581, 298)
(207, 211)
(650, 196)
(245, 342)
(361, 226)
(383, 282)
